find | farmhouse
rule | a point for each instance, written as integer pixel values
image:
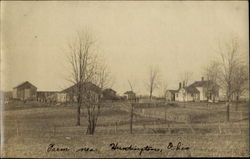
(87, 87)
(204, 90)
(25, 91)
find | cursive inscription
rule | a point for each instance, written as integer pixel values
(179, 146)
(117, 147)
(52, 148)
(85, 149)
(114, 146)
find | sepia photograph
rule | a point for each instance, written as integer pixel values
(124, 79)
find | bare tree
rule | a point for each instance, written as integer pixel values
(211, 73)
(130, 85)
(103, 77)
(164, 88)
(240, 80)
(185, 78)
(229, 60)
(153, 80)
(85, 73)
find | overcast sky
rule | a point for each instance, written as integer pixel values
(176, 36)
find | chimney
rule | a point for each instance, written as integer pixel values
(180, 85)
(183, 85)
(202, 78)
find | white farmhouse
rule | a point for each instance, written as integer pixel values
(204, 90)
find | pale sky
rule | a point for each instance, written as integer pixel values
(176, 36)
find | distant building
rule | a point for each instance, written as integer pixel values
(60, 97)
(203, 90)
(25, 91)
(51, 96)
(90, 88)
(109, 94)
(170, 95)
(7, 95)
(130, 95)
(146, 99)
(45, 96)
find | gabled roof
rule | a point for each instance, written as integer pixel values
(129, 92)
(48, 91)
(201, 83)
(192, 89)
(109, 89)
(25, 83)
(87, 85)
(173, 91)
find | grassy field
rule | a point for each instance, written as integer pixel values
(29, 129)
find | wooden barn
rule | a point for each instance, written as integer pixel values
(89, 88)
(25, 91)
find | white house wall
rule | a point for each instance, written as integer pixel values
(189, 97)
(202, 93)
(180, 96)
(61, 97)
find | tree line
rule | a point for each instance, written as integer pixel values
(229, 70)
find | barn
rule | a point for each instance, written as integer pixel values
(25, 91)
(88, 87)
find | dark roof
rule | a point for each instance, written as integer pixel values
(201, 83)
(129, 92)
(25, 83)
(173, 91)
(109, 89)
(192, 89)
(87, 85)
(48, 91)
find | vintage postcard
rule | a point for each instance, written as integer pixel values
(124, 79)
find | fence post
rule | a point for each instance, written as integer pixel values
(17, 130)
(131, 119)
(219, 127)
(240, 129)
(191, 128)
(115, 127)
(54, 130)
(165, 116)
(169, 129)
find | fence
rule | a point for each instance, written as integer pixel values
(162, 121)
(140, 120)
(138, 128)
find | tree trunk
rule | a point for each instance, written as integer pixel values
(213, 98)
(237, 101)
(78, 114)
(90, 128)
(150, 95)
(207, 102)
(228, 110)
(131, 119)
(79, 103)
